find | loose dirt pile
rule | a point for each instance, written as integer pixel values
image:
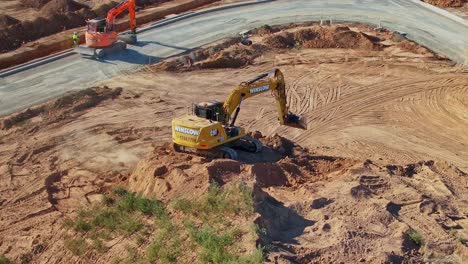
(57, 7)
(320, 208)
(231, 54)
(64, 107)
(324, 37)
(446, 3)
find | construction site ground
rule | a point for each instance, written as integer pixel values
(380, 175)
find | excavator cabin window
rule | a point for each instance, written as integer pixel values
(97, 25)
(210, 110)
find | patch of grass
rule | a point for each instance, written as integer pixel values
(259, 231)
(183, 205)
(131, 225)
(130, 202)
(120, 213)
(4, 260)
(132, 255)
(214, 245)
(99, 246)
(77, 246)
(82, 226)
(166, 247)
(107, 200)
(163, 252)
(140, 240)
(219, 203)
(120, 191)
(256, 257)
(416, 237)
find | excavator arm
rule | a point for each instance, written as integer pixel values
(272, 81)
(114, 12)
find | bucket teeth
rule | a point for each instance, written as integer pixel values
(296, 121)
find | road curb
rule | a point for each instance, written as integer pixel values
(202, 12)
(35, 63)
(44, 60)
(441, 12)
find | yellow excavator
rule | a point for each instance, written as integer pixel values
(211, 130)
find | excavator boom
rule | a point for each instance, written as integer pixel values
(272, 81)
(116, 11)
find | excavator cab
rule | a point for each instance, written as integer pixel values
(211, 110)
(97, 25)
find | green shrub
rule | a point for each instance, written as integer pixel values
(416, 237)
(120, 191)
(257, 257)
(99, 246)
(82, 226)
(213, 245)
(130, 225)
(77, 246)
(107, 218)
(184, 205)
(4, 260)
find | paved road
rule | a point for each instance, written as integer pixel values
(38, 84)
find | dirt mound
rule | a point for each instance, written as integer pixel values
(304, 35)
(224, 60)
(281, 40)
(65, 106)
(283, 145)
(55, 7)
(446, 3)
(57, 15)
(35, 3)
(6, 21)
(265, 30)
(413, 47)
(323, 37)
(267, 175)
(222, 171)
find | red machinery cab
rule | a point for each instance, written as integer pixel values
(99, 35)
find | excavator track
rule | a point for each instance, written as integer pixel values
(229, 153)
(221, 152)
(249, 144)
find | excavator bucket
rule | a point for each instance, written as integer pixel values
(129, 38)
(296, 121)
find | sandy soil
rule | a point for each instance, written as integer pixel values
(457, 7)
(385, 151)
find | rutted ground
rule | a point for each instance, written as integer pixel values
(383, 159)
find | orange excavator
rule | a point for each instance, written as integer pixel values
(102, 38)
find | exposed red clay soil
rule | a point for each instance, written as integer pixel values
(54, 16)
(225, 54)
(446, 3)
(321, 208)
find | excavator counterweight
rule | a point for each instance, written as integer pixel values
(211, 129)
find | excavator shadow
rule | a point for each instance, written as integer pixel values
(282, 223)
(266, 154)
(131, 56)
(145, 43)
